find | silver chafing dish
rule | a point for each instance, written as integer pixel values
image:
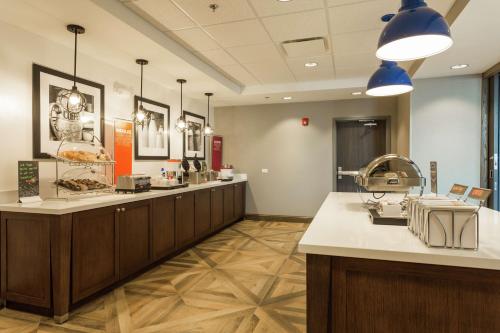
(388, 173)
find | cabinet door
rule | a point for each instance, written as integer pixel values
(135, 222)
(239, 201)
(202, 225)
(163, 226)
(228, 204)
(217, 211)
(26, 258)
(95, 251)
(184, 219)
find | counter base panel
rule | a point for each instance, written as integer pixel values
(365, 295)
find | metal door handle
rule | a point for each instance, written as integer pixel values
(123, 209)
(118, 210)
(339, 170)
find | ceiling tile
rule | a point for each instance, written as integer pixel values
(271, 8)
(240, 74)
(332, 3)
(228, 10)
(162, 11)
(355, 72)
(239, 33)
(356, 60)
(197, 39)
(360, 16)
(271, 72)
(296, 26)
(255, 53)
(356, 42)
(219, 57)
(324, 70)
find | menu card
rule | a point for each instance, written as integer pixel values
(28, 181)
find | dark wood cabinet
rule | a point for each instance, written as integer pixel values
(217, 207)
(134, 234)
(184, 219)
(53, 262)
(95, 251)
(202, 224)
(163, 235)
(26, 259)
(239, 200)
(228, 204)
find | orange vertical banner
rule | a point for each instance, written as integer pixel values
(123, 147)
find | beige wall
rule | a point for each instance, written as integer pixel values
(299, 159)
(403, 125)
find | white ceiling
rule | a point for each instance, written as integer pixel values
(476, 42)
(236, 51)
(243, 37)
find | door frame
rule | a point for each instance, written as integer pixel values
(335, 120)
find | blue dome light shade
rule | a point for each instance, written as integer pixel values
(389, 80)
(416, 32)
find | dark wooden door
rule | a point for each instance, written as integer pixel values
(163, 226)
(357, 144)
(228, 204)
(202, 225)
(26, 259)
(184, 219)
(217, 205)
(135, 226)
(239, 200)
(493, 140)
(95, 251)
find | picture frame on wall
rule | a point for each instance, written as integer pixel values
(152, 137)
(193, 141)
(52, 122)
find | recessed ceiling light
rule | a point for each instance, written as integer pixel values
(284, 0)
(459, 66)
(356, 93)
(287, 98)
(311, 64)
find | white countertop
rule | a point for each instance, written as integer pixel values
(60, 206)
(342, 227)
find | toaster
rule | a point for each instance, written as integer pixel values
(133, 183)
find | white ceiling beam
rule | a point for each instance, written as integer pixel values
(123, 13)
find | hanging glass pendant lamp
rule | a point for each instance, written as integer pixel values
(180, 124)
(74, 101)
(389, 80)
(208, 130)
(416, 31)
(140, 115)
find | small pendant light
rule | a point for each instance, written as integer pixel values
(389, 80)
(208, 130)
(180, 124)
(74, 101)
(141, 114)
(415, 32)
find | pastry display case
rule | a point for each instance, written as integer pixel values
(83, 168)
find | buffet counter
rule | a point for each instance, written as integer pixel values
(58, 254)
(63, 206)
(366, 277)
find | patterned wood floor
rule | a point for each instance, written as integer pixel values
(248, 278)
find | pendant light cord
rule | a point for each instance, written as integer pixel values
(182, 113)
(74, 63)
(142, 73)
(208, 109)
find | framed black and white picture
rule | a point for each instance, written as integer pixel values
(194, 140)
(152, 137)
(52, 121)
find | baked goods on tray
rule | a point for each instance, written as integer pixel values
(85, 156)
(81, 184)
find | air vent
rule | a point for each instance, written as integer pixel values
(305, 47)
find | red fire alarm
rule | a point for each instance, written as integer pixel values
(305, 121)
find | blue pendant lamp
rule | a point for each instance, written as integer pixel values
(389, 80)
(416, 32)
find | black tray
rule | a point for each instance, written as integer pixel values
(173, 187)
(377, 219)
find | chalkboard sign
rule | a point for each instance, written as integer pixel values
(28, 179)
